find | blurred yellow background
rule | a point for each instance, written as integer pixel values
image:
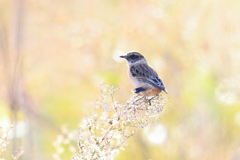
(55, 54)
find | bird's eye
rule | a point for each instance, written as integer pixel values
(133, 56)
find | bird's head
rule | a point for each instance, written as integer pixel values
(134, 57)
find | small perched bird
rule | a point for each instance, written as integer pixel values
(142, 76)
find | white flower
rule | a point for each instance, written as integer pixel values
(59, 139)
(56, 156)
(60, 150)
(72, 149)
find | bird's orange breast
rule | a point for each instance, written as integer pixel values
(152, 91)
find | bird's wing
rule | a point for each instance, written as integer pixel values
(145, 73)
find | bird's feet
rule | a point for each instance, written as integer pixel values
(149, 100)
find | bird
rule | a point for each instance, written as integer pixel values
(142, 76)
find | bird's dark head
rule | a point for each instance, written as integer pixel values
(134, 57)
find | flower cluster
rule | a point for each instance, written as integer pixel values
(63, 143)
(3, 140)
(111, 124)
(4, 131)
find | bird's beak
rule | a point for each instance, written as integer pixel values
(123, 56)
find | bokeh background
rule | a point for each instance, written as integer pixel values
(55, 54)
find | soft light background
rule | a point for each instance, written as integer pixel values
(56, 53)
